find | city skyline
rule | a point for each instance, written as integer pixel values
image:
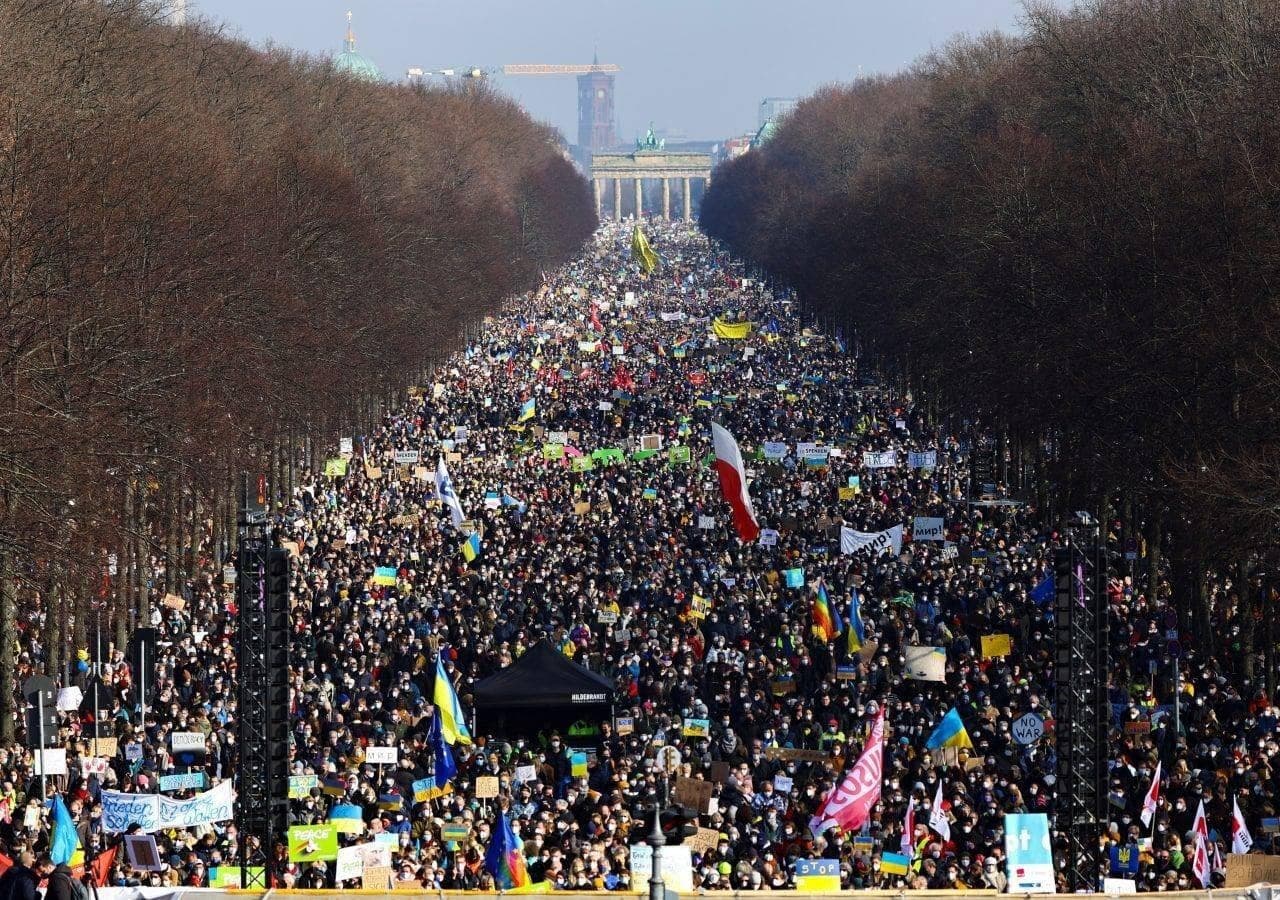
(691, 71)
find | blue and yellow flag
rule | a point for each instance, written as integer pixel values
(642, 253)
(453, 724)
(949, 733)
(471, 547)
(857, 632)
(64, 843)
(528, 409)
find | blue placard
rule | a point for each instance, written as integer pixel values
(1028, 853)
(191, 781)
(807, 867)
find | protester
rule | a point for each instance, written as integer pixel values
(629, 563)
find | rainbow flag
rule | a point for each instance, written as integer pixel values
(824, 619)
(504, 859)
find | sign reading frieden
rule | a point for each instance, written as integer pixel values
(152, 812)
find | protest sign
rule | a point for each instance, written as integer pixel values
(926, 663)
(996, 645)
(928, 528)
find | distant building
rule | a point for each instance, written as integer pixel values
(774, 108)
(596, 124)
(736, 146)
(352, 63)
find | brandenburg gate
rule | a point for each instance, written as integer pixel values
(649, 161)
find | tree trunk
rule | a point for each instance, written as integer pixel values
(8, 640)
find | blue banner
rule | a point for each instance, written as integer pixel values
(1028, 853)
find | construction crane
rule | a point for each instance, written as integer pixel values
(572, 69)
(596, 128)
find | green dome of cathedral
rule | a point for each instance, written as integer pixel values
(349, 62)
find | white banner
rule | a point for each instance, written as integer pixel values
(672, 316)
(350, 863)
(407, 457)
(187, 741)
(879, 541)
(382, 756)
(925, 459)
(153, 812)
(928, 528)
(886, 459)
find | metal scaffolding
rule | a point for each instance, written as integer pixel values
(1081, 664)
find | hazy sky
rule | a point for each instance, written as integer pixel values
(697, 67)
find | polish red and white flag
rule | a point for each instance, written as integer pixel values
(733, 482)
(1152, 800)
(848, 806)
(1241, 839)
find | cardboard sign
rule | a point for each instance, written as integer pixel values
(693, 792)
(1244, 870)
(455, 831)
(706, 839)
(107, 746)
(624, 725)
(376, 878)
(173, 601)
(486, 787)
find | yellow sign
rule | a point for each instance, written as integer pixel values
(996, 645)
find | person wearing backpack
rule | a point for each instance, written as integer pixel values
(63, 885)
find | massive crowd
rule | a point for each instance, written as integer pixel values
(605, 563)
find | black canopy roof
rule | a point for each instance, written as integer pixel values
(543, 676)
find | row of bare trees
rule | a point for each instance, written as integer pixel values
(1073, 234)
(215, 258)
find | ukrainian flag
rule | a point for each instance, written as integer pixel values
(894, 863)
(453, 724)
(528, 409)
(857, 632)
(471, 547)
(949, 733)
(384, 575)
(64, 843)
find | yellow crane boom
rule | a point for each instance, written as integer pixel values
(543, 69)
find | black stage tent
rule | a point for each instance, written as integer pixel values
(540, 691)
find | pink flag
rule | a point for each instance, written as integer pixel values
(1152, 799)
(848, 806)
